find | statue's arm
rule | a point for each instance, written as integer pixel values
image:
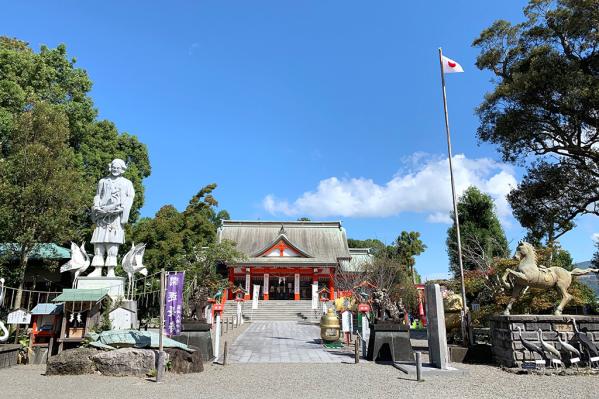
(98, 195)
(127, 202)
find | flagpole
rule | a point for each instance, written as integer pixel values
(455, 204)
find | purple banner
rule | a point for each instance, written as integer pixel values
(174, 302)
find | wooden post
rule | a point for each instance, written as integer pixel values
(161, 354)
(17, 333)
(225, 354)
(356, 351)
(50, 348)
(63, 329)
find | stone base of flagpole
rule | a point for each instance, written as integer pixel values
(160, 366)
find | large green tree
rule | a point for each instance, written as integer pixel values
(42, 192)
(543, 112)
(28, 77)
(482, 236)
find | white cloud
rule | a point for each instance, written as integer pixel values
(595, 237)
(423, 186)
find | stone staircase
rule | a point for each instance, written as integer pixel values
(275, 310)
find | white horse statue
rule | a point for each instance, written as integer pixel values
(529, 274)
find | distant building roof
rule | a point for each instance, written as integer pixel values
(40, 251)
(318, 242)
(360, 257)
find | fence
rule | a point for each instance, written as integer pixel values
(29, 298)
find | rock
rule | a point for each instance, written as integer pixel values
(72, 361)
(125, 362)
(184, 362)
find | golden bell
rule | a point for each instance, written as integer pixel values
(329, 327)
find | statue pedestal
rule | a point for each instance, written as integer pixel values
(507, 348)
(115, 285)
(197, 334)
(390, 342)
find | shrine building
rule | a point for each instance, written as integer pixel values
(286, 258)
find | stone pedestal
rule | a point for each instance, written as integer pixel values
(115, 285)
(507, 348)
(390, 342)
(197, 335)
(8, 355)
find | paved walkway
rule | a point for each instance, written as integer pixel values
(283, 342)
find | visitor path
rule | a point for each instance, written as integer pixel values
(283, 342)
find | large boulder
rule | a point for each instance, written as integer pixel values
(125, 362)
(72, 361)
(184, 362)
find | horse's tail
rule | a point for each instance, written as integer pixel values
(581, 272)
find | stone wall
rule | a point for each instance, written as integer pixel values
(507, 348)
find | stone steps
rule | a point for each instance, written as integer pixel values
(275, 310)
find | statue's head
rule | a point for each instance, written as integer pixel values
(525, 250)
(117, 167)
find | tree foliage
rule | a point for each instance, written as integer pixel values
(545, 103)
(406, 247)
(482, 236)
(187, 240)
(49, 76)
(42, 192)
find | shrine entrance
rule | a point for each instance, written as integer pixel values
(280, 283)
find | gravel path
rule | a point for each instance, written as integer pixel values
(364, 380)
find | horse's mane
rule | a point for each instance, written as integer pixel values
(530, 251)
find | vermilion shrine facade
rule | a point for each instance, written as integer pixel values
(286, 258)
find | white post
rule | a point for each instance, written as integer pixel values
(239, 314)
(266, 286)
(217, 337)
(247, 282)
(365, 333)
(315, 296)
(256, 296)
(296, 287)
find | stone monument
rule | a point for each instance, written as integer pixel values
(437, 337)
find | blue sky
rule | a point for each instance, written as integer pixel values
(325, 109)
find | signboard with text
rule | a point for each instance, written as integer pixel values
(19, 316)
(174, 302)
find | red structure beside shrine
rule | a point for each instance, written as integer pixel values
(286, 258)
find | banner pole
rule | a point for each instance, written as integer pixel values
(161, 354)
(455, 205)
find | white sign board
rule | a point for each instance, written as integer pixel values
(256, 296)
(19, 317)
(314, 296)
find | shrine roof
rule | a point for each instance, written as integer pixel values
(81, 295)
(319, 242)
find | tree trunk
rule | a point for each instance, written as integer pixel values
(23, 259)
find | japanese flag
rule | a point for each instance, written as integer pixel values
(450, 66)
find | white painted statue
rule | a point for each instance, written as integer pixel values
(110, 213)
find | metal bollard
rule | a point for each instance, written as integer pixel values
(231, 322)
(227, 325)
(225, 349)
(221, 327)
(418, 367)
